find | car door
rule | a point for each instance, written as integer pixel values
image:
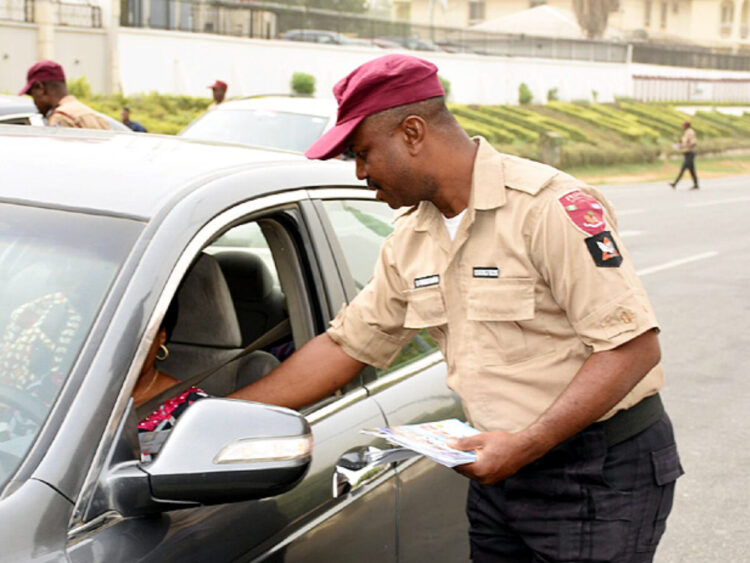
(431, 503)
(345, 507)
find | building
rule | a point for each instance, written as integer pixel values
(711, 23)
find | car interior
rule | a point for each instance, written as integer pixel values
(230, 297)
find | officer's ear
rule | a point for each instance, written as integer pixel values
(412, 130)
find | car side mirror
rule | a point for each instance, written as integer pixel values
(220, 451)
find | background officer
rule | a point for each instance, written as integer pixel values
(45, 83)
(517, 272)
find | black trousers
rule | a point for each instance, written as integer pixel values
(584, 501)
(688, 163)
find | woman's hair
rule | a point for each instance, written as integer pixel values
(170, 317)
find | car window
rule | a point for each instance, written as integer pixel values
(361, 226)
(261, 128)
(55, 270)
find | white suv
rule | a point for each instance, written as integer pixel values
(286, 122)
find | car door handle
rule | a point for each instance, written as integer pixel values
(361, 465)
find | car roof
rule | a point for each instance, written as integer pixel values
(15, 104)
(127, 174)
(306, 105)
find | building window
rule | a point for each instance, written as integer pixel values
(727, 16)
(675, 8)
(476, 12)
(663, 15)
(647, 14)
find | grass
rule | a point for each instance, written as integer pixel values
(663, 170)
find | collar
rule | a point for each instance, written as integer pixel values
(492, 174)
(487, 186)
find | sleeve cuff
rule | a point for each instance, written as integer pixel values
(363, 341)
(617, 322)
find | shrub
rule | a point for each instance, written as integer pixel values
(303, 83)
(552, 95)
(446, 85)
(79, 87)
(525, 96)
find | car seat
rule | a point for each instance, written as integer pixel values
(207, 334)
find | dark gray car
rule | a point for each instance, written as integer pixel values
(99, 232)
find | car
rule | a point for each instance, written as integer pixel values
(286, 122)
(414, 43)
(20, 110)
(323, 36)
(99, 232)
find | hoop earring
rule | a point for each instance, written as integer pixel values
(165, 353)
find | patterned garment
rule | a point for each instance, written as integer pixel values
(154, 429)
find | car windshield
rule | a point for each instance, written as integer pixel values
(55, 269)
(261, 128)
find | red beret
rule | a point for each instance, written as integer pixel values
(43, 71)
(383, 83)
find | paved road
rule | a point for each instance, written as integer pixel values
(692, 249)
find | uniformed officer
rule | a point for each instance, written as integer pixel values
(518, 273)
(218, 93)
(45, 83)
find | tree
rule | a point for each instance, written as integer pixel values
(592, 15)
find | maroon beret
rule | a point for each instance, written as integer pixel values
(43, 71)
(383, 83)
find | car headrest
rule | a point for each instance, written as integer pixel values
(206, 314)
(246, 273)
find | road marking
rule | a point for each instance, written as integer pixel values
(624, 234)
(628, 212)
(675, 263)
(717, 202)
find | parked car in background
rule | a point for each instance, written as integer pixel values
(414, 43)
(323, 36)
(286, 122)
(20, 110)
(101, 231)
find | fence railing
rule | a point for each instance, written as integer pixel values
(17, 10)
(65, 13)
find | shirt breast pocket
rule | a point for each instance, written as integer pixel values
(425, 308)
(496, 309)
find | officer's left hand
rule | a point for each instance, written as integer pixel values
(499, 455)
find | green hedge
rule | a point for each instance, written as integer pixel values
(622, 124)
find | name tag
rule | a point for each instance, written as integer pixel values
(486, 273)
(426, 281)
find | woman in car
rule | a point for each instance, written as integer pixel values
(154, 428)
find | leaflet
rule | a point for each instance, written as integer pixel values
(429, 439)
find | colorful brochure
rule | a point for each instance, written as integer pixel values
(429, 439)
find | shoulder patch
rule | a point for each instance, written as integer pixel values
(604, 251)
(584, 211)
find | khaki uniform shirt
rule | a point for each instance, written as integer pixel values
(689, 140)
(72, 113)
(535, 281)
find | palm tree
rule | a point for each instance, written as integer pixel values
(592, 15)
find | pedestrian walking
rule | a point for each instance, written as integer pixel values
(687, 145)
(517, 271)
(45, 83)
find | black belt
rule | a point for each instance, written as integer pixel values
(626, 424)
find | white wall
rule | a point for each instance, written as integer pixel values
(188, 62)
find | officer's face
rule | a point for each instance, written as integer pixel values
(382, 159)
(41, 97)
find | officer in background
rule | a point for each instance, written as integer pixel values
(45, 83)
(518, 273)
(219, 92)
(687, 145)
